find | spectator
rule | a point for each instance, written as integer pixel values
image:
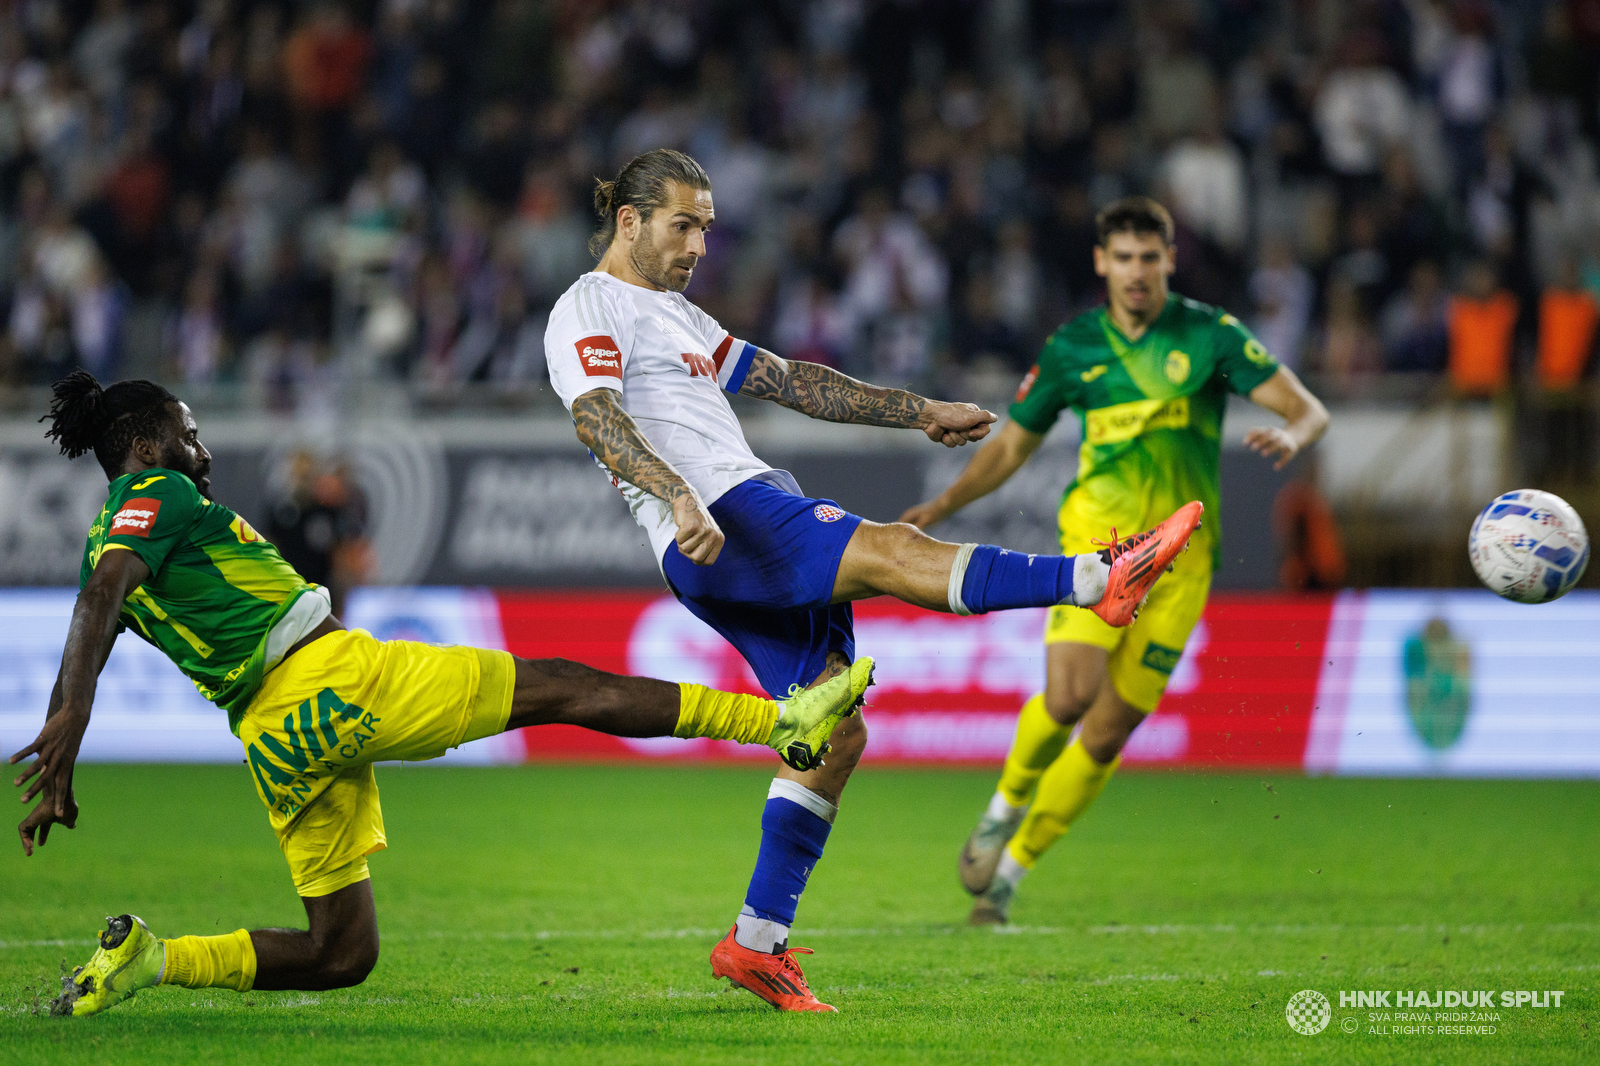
(1568, 314)
(1349, 352)
(1362, 111)
(1282, 291)
(1482, 318)
(98, 306)
(1177, 85)
(1362, 262)
(1469, 87)
(1206, 175)
(1567, 317)
(1416, 330)
(1308, 535)
(197, 333)
(318, 522)
(325, 59)
(945, 178)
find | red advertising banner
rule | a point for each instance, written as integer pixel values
(949, 688)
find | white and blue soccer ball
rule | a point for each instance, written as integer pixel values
(1529, 546)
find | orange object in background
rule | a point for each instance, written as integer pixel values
(1313, 550)
(1480, 342)
(1567, 320)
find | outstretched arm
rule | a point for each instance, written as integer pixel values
(995, 462)
(612, 435)
(816, 390)
(1304, 418)
(90, 636)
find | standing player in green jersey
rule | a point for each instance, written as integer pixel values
(314, 704)
(1149, 374)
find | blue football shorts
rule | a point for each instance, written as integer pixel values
(769, 591)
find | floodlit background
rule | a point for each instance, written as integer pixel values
(336, 230)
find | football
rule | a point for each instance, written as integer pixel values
(1529, 546)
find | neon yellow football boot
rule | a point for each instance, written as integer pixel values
(801, 733)
(129, 958)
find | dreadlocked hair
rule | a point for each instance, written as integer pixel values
(85, 417)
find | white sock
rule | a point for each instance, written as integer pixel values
(1010, 870)
(1000, 809)
(958, 577)
(1089, 576)
(759, 934)
(795, 792)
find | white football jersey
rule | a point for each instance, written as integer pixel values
(672, 363)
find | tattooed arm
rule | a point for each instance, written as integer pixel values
(612, 435)
(815, 390)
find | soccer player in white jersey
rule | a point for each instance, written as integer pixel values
(645, 374)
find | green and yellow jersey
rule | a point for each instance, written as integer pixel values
(1152, 414)
(220, 602)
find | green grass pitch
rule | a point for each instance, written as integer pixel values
(564, 914)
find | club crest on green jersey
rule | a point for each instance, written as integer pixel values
(1177, 368)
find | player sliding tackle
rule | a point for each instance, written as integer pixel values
(646, 375)
(315, 704)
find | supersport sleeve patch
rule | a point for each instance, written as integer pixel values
(587, 341)
(733, 358)
(135, 518)
(599, 356)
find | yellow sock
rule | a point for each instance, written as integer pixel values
(705, 712)
(1065, 791)
(227, 961)
(1039, 740)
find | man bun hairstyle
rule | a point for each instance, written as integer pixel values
(641, 185)
(85, 417)
(1133, 214)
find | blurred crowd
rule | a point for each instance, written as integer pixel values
(281, 198)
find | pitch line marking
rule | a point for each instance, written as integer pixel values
(1167, 929)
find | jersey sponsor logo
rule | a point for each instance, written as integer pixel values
(244, 531)
(1093, 372)
(1177, 366)
(136, 518)
(1125, 421)
(700, 366)
(1160, 658)
(1027, 383)
(827, 512)
(600, 356)
(1257, 353)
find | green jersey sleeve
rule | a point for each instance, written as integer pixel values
(1242, 361)
(155, 514)
(1044, 393)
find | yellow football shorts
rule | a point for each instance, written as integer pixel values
(342, 703)
(1140, 657)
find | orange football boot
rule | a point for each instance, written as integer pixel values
(775, 978)
(1139, 560)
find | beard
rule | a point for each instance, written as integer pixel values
(199, 473)
(655, 266)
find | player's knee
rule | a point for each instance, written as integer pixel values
(847, 743)
(1065, 705)
(1104, 737)
(349, 964)
(893, 542)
